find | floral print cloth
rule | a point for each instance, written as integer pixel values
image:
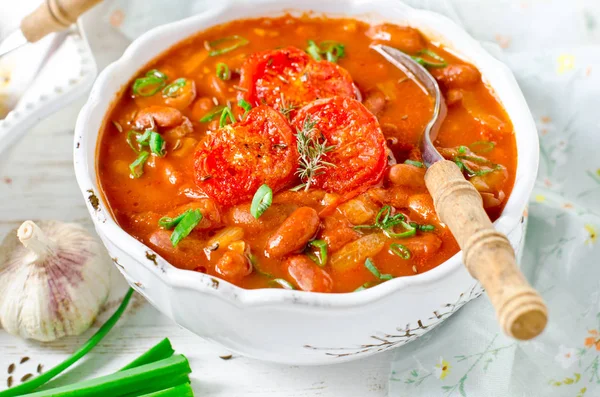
(553, 48)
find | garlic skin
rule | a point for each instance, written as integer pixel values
(54, 278)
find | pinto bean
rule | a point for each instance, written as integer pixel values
(407, 175)
(457, 76)
(359, 211)
(307, 275)
(185, 97)
(294, 232)
(162, 116)
(375, 102)
(233, 266)
(404, 38)
(423, 245)
(422, 208)
(276, 214)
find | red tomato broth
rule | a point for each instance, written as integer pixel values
(167, 186)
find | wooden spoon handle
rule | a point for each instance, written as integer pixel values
(53, 16)
(487, 253)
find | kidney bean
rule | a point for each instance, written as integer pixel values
(407, 175)
(375, 102)
(457, 76)
(294, 232)
(422, 209)
(233, 266)
(423, 245)
(307, 275)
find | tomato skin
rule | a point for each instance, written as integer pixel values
(291, 76)
(234, 161)
(359, 156)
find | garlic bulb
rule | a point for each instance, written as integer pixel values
(53, 280)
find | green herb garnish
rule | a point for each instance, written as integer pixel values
(375, 272)
(235, 40)
(386, 222)
(157, 144)
(462, 150)
(150, 84)
(282, 283)
(440, 64)
(321, 257)
(261, 201)
(312, 151)
(459, 160)
(482, 146)
(415, 163)
(332, 50)
(173, 89)
(400, 250)
(42, 379)
(223, 119)
(244, 104)
(185, 226)
(169, 223)
(423, 228)
(137, 167)
(217, 110)
(223, 71)
(366, 285)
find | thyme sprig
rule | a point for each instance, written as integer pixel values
(311, 146)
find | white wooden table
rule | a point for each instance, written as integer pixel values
(38, 182)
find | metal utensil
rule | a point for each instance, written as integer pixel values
(52, 16)
(487, 253)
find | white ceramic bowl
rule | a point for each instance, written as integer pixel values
(297, 327)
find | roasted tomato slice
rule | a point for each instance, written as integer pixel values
(358, 155)
(234, 161)
(288, 78)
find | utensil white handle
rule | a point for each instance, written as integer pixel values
(53, 16)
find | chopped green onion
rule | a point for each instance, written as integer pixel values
(375, 272)
(321, 258)
(149, 378)
(331, 49)
(157, 144)
(130, 134)
(137, 167)
(471, 172)
(423, 228)
(173, 89)
(283, 283)
(442, 63)
(169, 223)
(160, 351)
(386, 222)
(34, 383)
(482, 146)
(150, 84)
(217, 110)
(400, 250)
(254, 261)
(224, 114)
(238, 41)
(244, 104)
(223, 71)
(363, 287)
(185, 226)
(143, 139)
(261, 201)
(415, 163)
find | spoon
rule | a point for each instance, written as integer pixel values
(487, 253)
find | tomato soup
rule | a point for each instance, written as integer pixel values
(284, 153)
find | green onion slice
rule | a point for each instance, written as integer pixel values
(423, 228)
(364, 286)
(244, 104)
(223, 119)
(282, 283)
(157, 144)
(217, 110)
(169, 223)
(314, 51)
(375, 272)
(415, 163)
(261, 201)
(482, 146)
(462, 149)
(321, 258)
(223, 71)
(150, 84)
(440, 64)
(143, 139)
(173, 89)
(137, 167)
(217, 47)
(332, 50)
(400, 250)
(185, 226)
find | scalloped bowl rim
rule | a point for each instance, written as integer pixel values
(174, 277)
